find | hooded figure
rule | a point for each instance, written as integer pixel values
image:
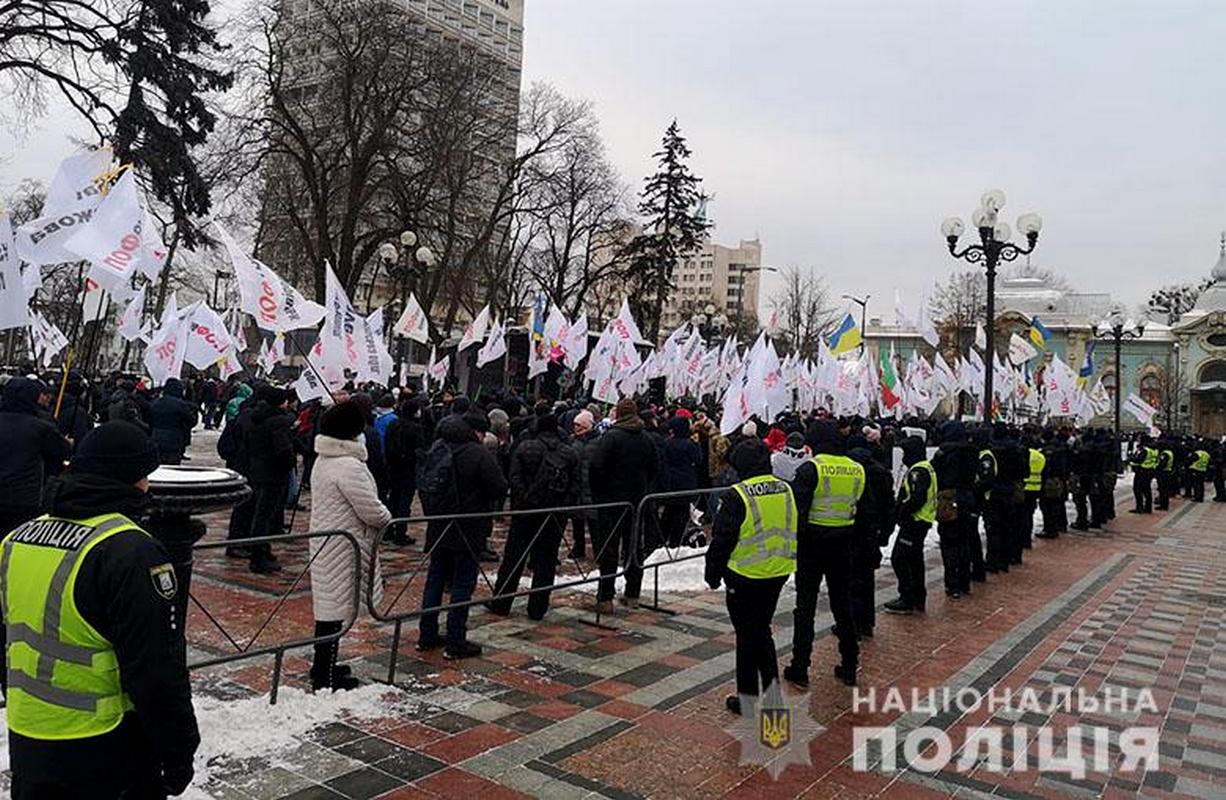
(30, 449)
(171, 419)
(240, 395)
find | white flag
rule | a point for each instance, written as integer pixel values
(575, 345)
(1020, 350)
(112, 241)
(475, 332)
(981, 338)
(14, 300)
(624, 327)
(168, 345)
(154, 252)
(47, 339)
(208, 341)
(130, 322)
(230, 365)
(437, 371)
(923, 324)
(495, 346)
(74, 183)
(275, 304)
(1141, 410)
(274, 354)
(309, 386)
(413, 323)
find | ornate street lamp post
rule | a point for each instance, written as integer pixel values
(406, 272)
(1116, 329)
(994, 247)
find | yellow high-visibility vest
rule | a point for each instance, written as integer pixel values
(1034, 480)
(63, 675)
(840, 484)
(767, 544)
(928, 511)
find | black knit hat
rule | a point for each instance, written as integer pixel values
(272, 395)
(343, 421)
(118, 450)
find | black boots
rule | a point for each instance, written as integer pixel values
(325, 672)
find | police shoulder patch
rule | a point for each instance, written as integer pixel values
(164, 581)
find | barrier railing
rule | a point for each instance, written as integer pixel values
(245, 650)
(652, 532)
(518, 544)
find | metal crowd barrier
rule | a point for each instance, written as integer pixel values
(649, 537)
(277, 650)
(549, 516)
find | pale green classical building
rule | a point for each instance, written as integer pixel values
(1179, 370)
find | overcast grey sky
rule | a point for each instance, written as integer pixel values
(844, 132)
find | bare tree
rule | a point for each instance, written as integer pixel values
(958, 305)
(804, 310)
(1168, 304)
(573, 205)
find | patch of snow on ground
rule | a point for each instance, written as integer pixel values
(251, 728)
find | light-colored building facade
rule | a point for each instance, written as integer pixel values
(724, 278)
(1178, 369)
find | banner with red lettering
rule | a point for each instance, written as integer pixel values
(130, 322)
(164, 355)
(14, 301)
(208, 341)
(69, 206)
(112, 242)
(275, 304)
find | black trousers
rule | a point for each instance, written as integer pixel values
(1164, 490)
(1026, 525)
(1219, 485)
(996, 521)
(907, 558)
(955, 552)
(323, 667)
(865, 559)
(1198, 486)
(974, 548)
(1055, 519)
(1142, 490)
(268, 501)
(751, 607)
(824, 554)
(1081, 504)
(1099, 511)
(614, 546)
(535, 538)
(674, 517)
(1017, 528)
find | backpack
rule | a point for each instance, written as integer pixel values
(231, 447)
(436, 480)
(947, 505)
(551, 484)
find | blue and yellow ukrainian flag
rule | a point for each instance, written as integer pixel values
(846, 337)
(1039, 334)
(1087, 367)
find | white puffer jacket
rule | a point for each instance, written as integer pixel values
(343, 497)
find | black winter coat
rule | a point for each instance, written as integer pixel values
(74, 420)
(624, 464)
(116, 595)
(30, 447)
(269, 445)
(171, 419)
(526, 461)
(480, 487)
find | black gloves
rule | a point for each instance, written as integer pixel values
(176, 777)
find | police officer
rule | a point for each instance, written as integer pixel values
(873, 528)
(985, 477)
(98, 699)
(1055, 481)
(1166, 474)
(1144, 462)
(828, 489)
(1036, 463)
(917, 510)
(753, 551)
(1198, 469)
(956, 462)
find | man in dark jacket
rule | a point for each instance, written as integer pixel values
(916, 513)
(270, 457)
(1055, 485)
(583, 441)
(624, 467)
(873, 527)
(454, 545)
(123, 589)
(403, 438)
(544, 474)
(74, 420)
(956, 463)
(30, 449)
(172, 418)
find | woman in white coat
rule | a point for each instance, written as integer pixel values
(343, 497)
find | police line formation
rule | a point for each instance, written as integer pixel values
(98, 698)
